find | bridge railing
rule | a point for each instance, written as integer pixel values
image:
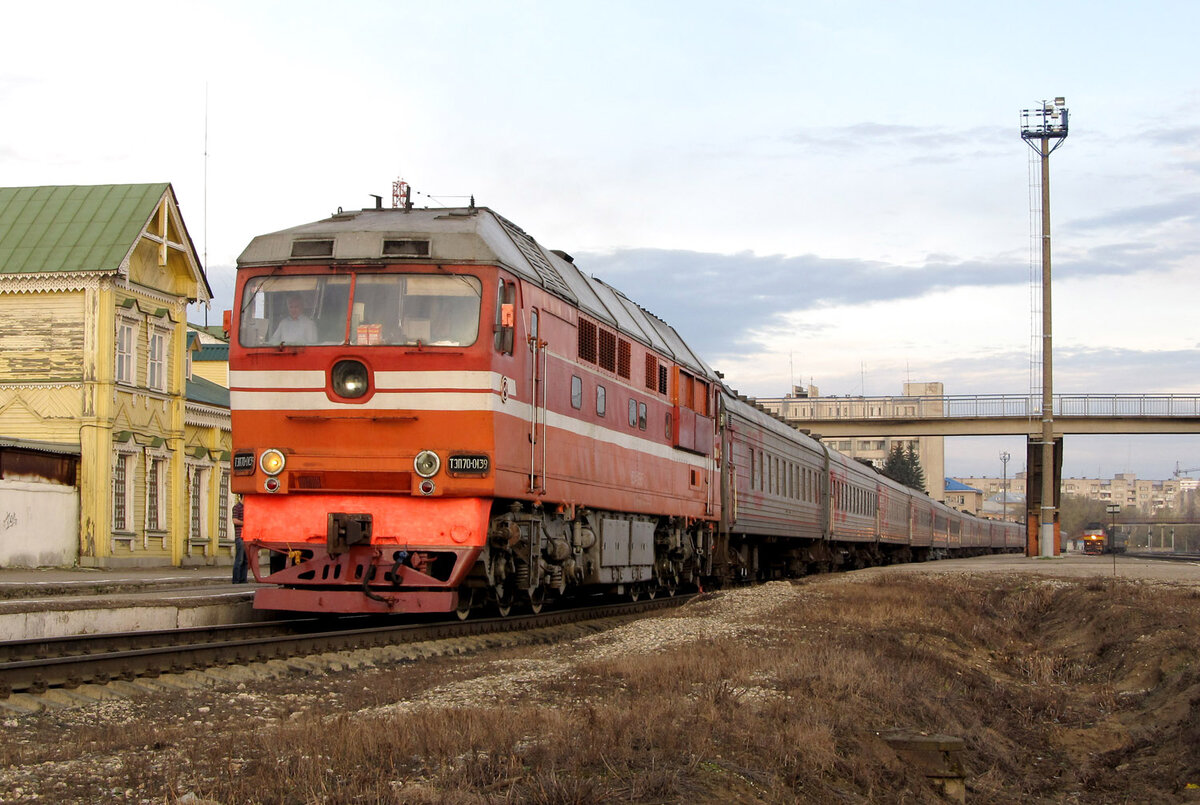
(977, 406)
(1156, 405)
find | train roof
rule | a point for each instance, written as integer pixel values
(466, 235)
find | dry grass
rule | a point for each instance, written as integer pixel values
(1062, 692)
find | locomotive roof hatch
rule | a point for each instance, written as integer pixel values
(467, 235)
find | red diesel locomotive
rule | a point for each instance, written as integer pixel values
(432, 412)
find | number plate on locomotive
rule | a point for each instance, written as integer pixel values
(468, 465)
(243, 462)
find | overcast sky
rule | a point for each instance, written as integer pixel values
(825, 191)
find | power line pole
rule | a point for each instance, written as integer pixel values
(1043, 124)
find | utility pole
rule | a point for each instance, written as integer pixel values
(1004, 457)
(1043, 124)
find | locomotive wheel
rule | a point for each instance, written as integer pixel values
(504, 602)
(635, 592)
(537, 600)
(652, 588)
(465, 602)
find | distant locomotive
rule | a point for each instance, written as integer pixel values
(431, 413)
(1093, 540)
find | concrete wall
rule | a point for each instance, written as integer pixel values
(39, 524)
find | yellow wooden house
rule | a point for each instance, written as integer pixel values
(94, 362)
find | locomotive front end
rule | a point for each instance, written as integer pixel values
(362, 405)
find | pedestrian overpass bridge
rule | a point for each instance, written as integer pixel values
(995, 415)
(991, 415)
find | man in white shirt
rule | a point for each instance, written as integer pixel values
(297, 328)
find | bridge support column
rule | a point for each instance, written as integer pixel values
(1033, 495)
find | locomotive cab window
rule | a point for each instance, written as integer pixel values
(506, 294)
(367, 309)
(576, 391)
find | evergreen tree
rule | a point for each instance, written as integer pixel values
(903, 467)
(916, 474)
(891, 464)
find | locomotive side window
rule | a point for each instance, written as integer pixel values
(506, 293)
(633, 413)
(576, 391)
(386, 309)
(641, 416)
(601, 403)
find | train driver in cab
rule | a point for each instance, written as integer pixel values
(297, 328)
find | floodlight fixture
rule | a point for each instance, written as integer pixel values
(1046, 122)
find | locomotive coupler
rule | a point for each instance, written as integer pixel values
(344, 530)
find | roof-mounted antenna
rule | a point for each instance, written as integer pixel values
(401, 195)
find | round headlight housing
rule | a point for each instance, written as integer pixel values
(427, 463)
(350, 379)
(272, 461)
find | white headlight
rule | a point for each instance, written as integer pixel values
(272, 461)
(427, 463)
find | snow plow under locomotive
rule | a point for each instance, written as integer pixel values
(432, 413)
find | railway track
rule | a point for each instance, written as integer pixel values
(37, 666)
(1170, 557)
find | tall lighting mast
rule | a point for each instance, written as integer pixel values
(1038, 127)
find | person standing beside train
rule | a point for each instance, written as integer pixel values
(239, 547)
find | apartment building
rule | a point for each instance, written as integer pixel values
(1124, 489)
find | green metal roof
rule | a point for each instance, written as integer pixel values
(72, 228)
(207, 392)
(212, 352)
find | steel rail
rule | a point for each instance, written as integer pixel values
(41, 648)
(102, 664)
(1169, 557)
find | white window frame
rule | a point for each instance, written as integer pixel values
(224, 507)
(162, 483)
(156, 366)
(127, 460)
(125, 369)
(198, 538)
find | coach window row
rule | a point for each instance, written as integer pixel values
(777, 476)
(855, 500)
